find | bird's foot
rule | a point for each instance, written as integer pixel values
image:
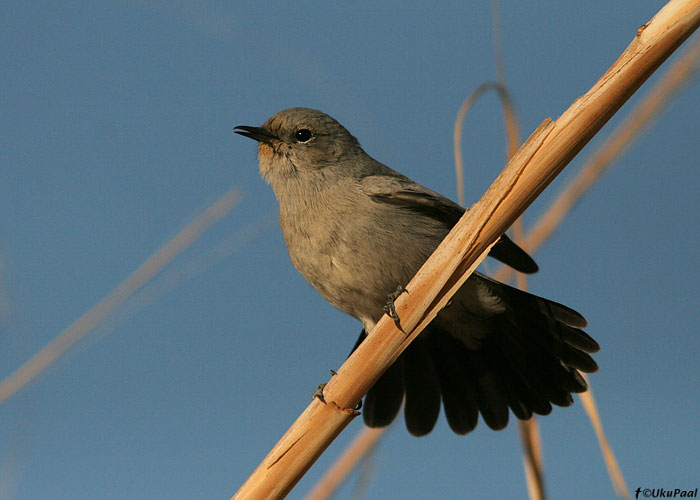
(318, 393)
(390, 309)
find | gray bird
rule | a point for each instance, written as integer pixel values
(357, 230)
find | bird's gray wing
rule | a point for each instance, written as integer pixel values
(403, 192)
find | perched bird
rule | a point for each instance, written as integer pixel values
(357, 230)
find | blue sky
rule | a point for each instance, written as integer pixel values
(117, 131)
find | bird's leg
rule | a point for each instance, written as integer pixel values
(318, 393)
(390, 309)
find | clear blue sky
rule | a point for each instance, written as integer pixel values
(117, 125)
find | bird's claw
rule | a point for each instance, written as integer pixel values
(318, 393)
(390, 308)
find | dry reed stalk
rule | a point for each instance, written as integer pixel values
(621, 138)
(542, 157)
(508, 119)
(83, 325)
(532, 458)
(678, 75)
(614, 471)
(529, 430)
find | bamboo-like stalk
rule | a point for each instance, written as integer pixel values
(508, 119)
(541, 158)
(529, 430)
(93, 317)
(614, 471)
(678, 75)
(532, 458)
(675, 78)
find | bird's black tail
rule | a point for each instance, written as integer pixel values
(529, 361)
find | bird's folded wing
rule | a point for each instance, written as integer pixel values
(403, 192)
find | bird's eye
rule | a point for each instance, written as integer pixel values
(303, 135)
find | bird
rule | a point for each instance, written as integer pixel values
(357, 231)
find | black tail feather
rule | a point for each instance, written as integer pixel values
(422, 388)
(383, 401)
(459, 396)
(529, 360)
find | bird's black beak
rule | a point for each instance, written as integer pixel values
(256, 133)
